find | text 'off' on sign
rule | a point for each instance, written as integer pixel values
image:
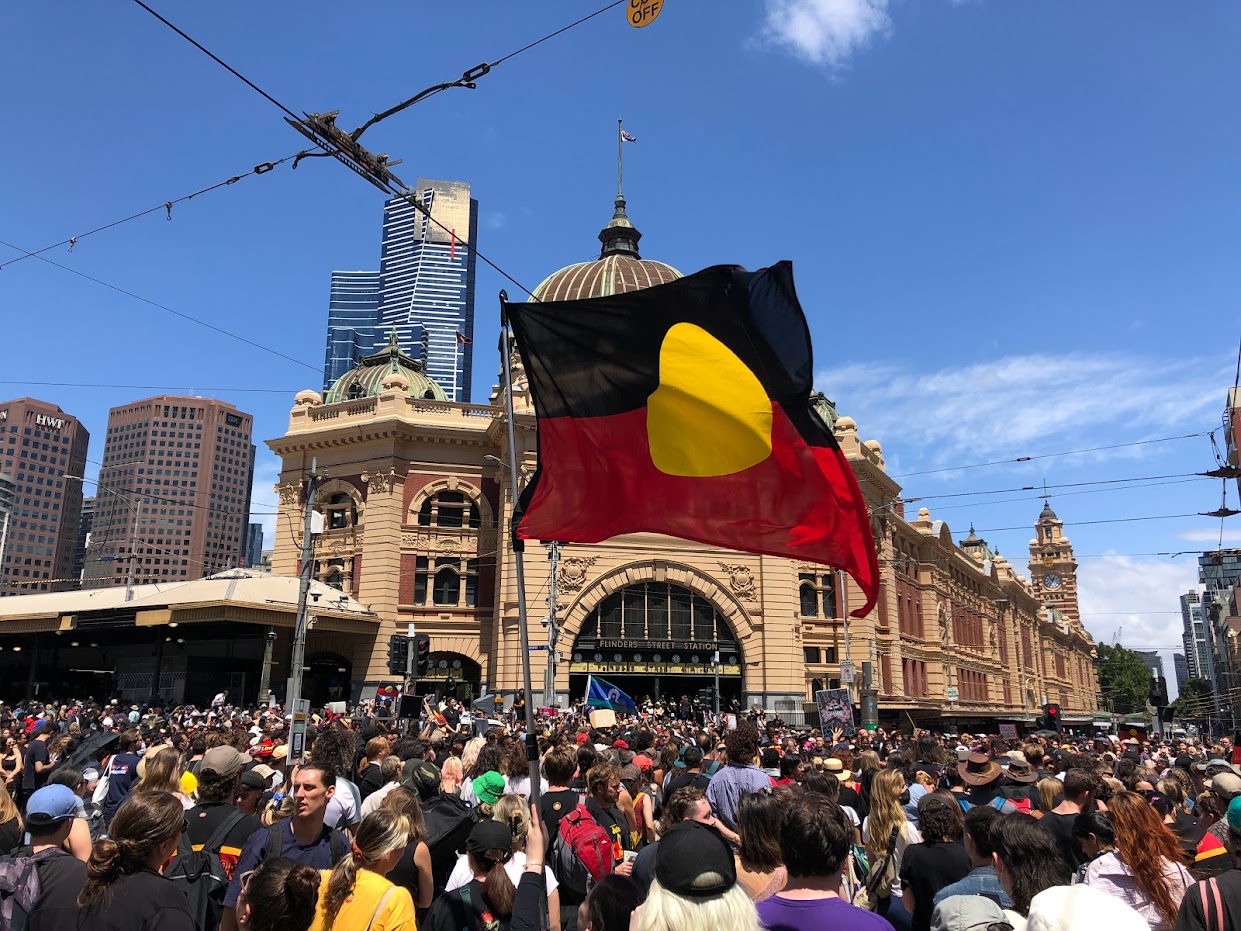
(643, 12)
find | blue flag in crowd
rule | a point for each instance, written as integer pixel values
(600, 693)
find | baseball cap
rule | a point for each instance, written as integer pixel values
(252, 780)
(1226, 785)
(223, 761)
(1067, 908)
(1233, 816)
(966, 913)
(693, 860)
(51, 805)
(424, 779)
(490, 836)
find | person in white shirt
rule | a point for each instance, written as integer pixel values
(515, 812)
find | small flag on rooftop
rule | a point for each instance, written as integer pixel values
(628, 137)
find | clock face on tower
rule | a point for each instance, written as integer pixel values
(1052, 581)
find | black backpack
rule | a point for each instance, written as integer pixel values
(201, 876)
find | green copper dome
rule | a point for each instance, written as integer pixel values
(367, 379)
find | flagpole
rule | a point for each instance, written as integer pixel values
(518, 546)
(620, 143)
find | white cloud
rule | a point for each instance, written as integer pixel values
(1025, 405)
(1209, 535)
(826, 32)
(264, 501)
(1140, 598)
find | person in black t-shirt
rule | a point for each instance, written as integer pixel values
(1079, 786)
(219, 778)
(939, 861)
(559, 766)
(691, 775)
(371, 777)
(38, 763)
(122, 772)
(50, 815)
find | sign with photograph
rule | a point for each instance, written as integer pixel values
(835, 711)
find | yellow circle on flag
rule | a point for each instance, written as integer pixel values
(710, 414)
(643, 12)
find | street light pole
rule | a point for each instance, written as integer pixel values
(297, 730)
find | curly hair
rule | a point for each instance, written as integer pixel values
(940, 819)
(1145, 845)
(334, 749)
(742, 743)
(282, 895)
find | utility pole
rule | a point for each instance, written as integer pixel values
(553, 628)
(715, 664)
(297, 732)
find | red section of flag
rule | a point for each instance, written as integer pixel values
(597, 480)
(462, 339)
(452, 250)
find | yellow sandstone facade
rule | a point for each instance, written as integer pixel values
(417, 510)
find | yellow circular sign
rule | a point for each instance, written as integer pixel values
(643, 12)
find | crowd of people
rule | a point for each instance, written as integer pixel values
(185, 819)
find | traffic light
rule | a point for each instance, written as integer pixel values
(1051, 717)
(398, 654)
(422, 655)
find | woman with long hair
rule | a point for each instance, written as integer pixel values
(760, 869)
(124, 888)
(1178, 819)
(413, 870)
(11, 764)
(161, 772)
(355, 892)
(11, 826)
(278, 895)
(513, 812)
(487, 899)
(1144, 871)
(886, 817)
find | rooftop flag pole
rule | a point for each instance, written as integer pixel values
(620, 148)
(507, 347)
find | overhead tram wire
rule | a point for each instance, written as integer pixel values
(1083, 523)
(1068, 452)
(1063, 494)
(1046, 488)
(260, 169)
(320, 128)
(164, 307)
(178, 388)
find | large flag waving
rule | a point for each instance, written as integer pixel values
(600, 693)
(684, 409)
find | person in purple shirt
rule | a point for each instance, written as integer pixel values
(739, 777)
(815, 840)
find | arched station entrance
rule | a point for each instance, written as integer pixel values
(452, 674)
(657, 640)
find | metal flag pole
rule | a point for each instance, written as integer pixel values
(518, 546)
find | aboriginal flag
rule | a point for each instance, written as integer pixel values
(684, 409)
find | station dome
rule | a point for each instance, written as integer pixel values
(372, 373)
(619, 269)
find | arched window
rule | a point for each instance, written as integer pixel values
(340, 512)
(447, 582)
(656, 611)
(809, 599)
(449, 509)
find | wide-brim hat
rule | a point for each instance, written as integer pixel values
(837, 769)
(1022, 771)
(978, 770)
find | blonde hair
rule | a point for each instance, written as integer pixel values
(469, 756)
(1049, 789)
(667, 911)
(451, 775)
(161, 772)
(512, 810)
(8, 808)
(380, 833)
(885, 811)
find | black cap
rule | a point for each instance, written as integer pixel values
(694, 860)
(491, 837)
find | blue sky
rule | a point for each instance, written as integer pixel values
(1014, 224)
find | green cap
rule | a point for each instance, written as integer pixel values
(1234, 815)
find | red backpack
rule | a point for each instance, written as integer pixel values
(581, 852)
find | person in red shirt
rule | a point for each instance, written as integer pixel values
(791, 769)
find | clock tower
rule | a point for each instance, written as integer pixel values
(1053, 570)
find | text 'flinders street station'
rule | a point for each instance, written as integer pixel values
(417, 514)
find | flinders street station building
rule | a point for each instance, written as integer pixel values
(416, 521)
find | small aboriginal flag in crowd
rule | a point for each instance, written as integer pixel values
(684, 409)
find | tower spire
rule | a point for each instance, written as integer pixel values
(620, 236)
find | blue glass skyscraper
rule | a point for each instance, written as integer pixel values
(424, 289)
